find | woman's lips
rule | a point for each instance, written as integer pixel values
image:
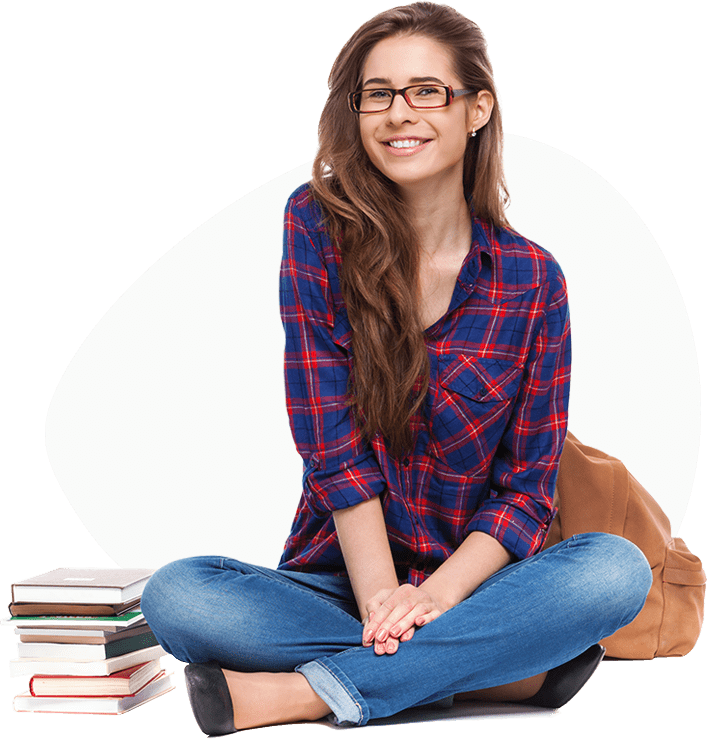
(405, 147)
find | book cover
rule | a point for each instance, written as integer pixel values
(90, 585)
(121, 683)
(86, 652)
(112, 623)
(94, 704)
(73, 609)
(29, 666)
(78, 636)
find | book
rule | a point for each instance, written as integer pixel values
(73, 609)
(30, 666)
(86, 652)
(69, 585)
(78, 636)
(108, 623)
(80, 704)
(123, 682)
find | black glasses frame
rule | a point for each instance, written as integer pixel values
(354, 98)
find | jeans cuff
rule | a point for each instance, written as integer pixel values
(337, 691)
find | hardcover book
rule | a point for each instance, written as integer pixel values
(78, 704)
(68, 585)
(78, 636)
(73, 609)
(30, 666)
(107, 623)
(86, 652)
(123, 682)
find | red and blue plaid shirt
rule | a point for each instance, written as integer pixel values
(489, 436)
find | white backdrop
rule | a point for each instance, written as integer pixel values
(177, 394)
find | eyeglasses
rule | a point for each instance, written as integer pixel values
(422, 97)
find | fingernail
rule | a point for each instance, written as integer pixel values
(381, 635)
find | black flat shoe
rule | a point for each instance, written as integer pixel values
(209, 697)
(564, 681)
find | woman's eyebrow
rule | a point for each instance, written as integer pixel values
(411, 81)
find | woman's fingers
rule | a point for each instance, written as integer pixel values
(393, 616)
(403, 619)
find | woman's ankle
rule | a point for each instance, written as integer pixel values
(267, 698)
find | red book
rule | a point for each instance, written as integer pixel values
(125, 682)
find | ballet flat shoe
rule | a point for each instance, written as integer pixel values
(564, 681)
(209, 697)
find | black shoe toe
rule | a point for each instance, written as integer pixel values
(564, 681)
(209, 697)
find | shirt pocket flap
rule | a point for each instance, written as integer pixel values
(481, 379)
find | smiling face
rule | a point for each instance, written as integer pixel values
(416, 148)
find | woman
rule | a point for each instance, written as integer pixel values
(427, 373)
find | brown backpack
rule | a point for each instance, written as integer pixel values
(595, 492)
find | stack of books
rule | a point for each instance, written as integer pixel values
(85, 643)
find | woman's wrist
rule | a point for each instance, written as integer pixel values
(443, 596)
(478, 557)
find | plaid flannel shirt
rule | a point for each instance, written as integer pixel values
(490, 433)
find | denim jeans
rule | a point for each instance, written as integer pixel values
(527, 618)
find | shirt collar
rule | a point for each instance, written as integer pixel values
(480, 252)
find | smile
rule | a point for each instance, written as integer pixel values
(406, 146)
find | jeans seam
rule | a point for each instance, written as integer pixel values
(568, 544)
(299, 588)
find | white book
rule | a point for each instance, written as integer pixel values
(62, 632)
(29, 666)
(68, 585)
(42, 704)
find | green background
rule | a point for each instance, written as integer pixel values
(125, 131)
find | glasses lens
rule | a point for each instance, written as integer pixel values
(369, 101)
(428, 96)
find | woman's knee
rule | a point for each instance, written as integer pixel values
(168, 598)
(621, 575)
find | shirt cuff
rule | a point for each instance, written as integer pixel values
(521, 533)
(342, 486)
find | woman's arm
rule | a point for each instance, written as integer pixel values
(364, 544)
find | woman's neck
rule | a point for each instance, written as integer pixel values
(441, 219)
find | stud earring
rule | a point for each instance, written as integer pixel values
(473, 133)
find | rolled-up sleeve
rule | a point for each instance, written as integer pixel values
(340, 469)
(519, 509)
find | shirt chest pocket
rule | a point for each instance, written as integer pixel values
(472, 404)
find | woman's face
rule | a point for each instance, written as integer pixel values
(433, 141)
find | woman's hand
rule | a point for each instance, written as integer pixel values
(394, 614)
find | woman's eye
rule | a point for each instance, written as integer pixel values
(376, 94)
(428, 91)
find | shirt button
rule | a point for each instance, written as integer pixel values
(406, 462)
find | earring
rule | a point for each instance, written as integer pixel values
(473, 133)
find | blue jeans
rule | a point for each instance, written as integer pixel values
(527, 618)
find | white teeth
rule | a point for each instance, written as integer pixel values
(404, 143)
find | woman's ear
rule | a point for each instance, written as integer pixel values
(479, 110)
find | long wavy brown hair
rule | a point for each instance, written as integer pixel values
(368, 220)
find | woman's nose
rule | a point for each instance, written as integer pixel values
(400, 112)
